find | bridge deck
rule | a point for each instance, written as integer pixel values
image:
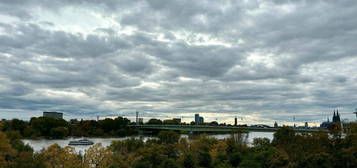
(204, 128)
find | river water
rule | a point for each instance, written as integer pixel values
(37, 145)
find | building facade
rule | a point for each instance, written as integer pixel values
(198, 119)
(140, 120)
(202, 120)
(56, 115)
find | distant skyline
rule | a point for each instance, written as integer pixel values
(263, 61)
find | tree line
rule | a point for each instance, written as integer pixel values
(288, 149)
(52, 128)
(59, 128)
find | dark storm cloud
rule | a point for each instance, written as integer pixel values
(262, 60)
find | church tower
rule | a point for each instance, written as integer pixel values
(338, 119)
(334, 116)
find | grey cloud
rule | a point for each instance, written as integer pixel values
(58, 43)
(182, 57)
(134, 64)
(209, 61)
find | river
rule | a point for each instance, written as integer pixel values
(37, 145)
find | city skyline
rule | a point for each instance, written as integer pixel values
(195, 118)
(263, 61)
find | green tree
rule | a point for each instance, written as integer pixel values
(321, 160)
(261, 142)
(152, 154)
(235, 159)
(30, 132)
(169, 163)
(127, 146)
(59, 132)
(170, 122)
(168, 137)
(249, 163)
(15, 125)
(284, 136)
(204, 159)
(189, 161)
(154, 121)
(351, 128)
(44, 124)
(142, 164)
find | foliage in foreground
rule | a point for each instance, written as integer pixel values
(287, 150)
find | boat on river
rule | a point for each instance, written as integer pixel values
(81, 142)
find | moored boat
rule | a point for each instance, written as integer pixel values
(81, 142)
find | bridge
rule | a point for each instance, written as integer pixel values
(204, 128)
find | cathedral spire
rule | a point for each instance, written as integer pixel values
(338, 119)
(334, 116)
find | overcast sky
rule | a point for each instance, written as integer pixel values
(262, 61)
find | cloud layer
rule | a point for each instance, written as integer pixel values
(263, 61)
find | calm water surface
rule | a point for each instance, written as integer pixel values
(37, 145)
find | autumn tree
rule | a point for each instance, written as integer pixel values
(168, 137)
(56, 157)
(7, 153)
(127, 146)
(98, 156)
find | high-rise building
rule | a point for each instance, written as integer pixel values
(56, 115)
(197, 118)
(202, 120)
(235, 121)
(140, 121)
(306, 125)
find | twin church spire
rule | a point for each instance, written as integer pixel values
(336, 116)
